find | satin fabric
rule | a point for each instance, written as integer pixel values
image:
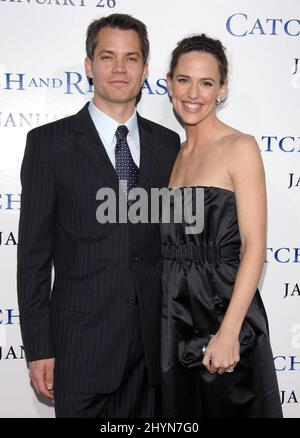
(198, 276)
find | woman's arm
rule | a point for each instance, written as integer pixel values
(247, 174)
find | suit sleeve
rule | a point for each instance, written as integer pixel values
(178, 142)
(37, 231)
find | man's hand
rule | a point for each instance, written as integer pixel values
(41, 374)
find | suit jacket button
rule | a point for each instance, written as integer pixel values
(131, 301)
(134, 258)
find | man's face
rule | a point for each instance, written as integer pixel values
(117, 69)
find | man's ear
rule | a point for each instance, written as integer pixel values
(88, 65)
(145, 72)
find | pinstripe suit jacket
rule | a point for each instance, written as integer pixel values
(82, 319)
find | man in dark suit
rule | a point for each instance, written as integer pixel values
(92, 338)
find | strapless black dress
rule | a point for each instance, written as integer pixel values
(198, 276)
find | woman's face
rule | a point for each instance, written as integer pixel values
(196, 86)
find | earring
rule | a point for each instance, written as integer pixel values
(218, 100)
(170, 92)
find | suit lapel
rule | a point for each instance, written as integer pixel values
(87, 138)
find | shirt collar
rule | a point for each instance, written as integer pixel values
(107, 126)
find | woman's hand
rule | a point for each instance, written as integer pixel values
(222, 353)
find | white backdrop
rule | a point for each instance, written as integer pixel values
(42, 78)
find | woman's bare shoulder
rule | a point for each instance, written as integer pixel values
(242, 142)
(246, 144)
(244, 153)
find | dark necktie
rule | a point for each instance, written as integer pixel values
(126, 168)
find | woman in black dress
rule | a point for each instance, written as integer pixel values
(216, 354)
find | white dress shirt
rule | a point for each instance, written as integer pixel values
(106, 127)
